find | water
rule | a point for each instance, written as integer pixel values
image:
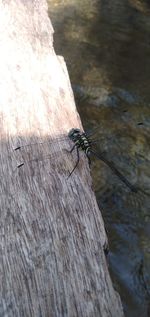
(106, 45)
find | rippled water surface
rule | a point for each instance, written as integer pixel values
(106, 45)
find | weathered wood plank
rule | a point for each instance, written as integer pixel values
(51, 230)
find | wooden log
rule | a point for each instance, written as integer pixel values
(51, 230)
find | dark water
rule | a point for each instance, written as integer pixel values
(106, 45)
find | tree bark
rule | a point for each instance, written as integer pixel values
(51, 230)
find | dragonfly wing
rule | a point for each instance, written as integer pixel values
(115, 170)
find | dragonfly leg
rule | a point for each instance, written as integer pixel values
(89, 159)
(77, 162)
(70, 151)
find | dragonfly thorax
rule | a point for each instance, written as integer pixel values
(80, 139)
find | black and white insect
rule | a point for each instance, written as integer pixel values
(82, 141)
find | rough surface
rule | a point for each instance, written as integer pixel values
(51, 230)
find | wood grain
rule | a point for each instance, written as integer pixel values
(51, 230)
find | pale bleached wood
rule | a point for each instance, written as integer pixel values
(51, 230)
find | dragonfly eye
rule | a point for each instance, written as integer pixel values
(74, 133)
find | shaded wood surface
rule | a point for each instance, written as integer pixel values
(52, 234)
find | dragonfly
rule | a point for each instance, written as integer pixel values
(82, 141)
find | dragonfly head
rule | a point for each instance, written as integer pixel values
(74, 134)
